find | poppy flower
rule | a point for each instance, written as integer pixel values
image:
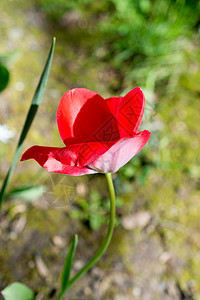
(100, 135)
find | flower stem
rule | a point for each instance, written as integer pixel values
(103, 248)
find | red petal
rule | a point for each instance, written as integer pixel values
(69, 160)
(120, 153)
(80, 116)
(128, 111)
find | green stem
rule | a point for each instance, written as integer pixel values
(103, 248)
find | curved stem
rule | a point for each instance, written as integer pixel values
(103, 248)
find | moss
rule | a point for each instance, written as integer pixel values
(164, 180)
(48, 221)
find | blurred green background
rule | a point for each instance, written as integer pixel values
(109, 46)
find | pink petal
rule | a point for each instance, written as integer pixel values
(69, 160)
(80, 116)
(128, 111)
(120, 153)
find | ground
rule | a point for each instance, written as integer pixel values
(154, 254)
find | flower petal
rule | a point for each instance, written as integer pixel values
(120, 153)
(69, 160)
(80, 116)
(128, 111)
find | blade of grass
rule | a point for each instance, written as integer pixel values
(67, 267)
(37, 98)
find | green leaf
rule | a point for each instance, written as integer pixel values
(28, 193)
(9, 58)
(4, 77)
(37, 98)
(67, 266)
(18, 291)
(68, 263)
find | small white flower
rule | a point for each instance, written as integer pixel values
(5, 134)
(19, 86)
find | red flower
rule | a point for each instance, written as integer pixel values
(100, 135)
